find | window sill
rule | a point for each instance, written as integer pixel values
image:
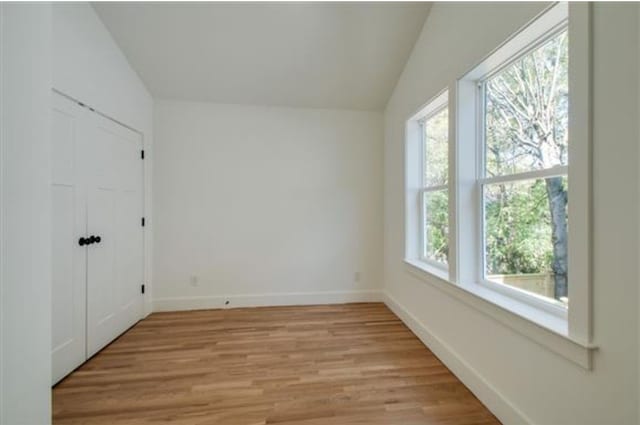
(542, 327)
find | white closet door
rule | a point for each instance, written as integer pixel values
(114, 212)
(69, 224)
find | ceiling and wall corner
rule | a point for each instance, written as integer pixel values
(276, 77)
(317, 55)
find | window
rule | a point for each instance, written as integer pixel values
(428, 185)
(435, 192)
(499, 203)
(525, 162)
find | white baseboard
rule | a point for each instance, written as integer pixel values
(263, 300)
(496, 402)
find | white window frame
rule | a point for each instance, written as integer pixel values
(568, 332)
(416, 155)
(553, 21)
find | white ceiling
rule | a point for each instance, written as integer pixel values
(324, 55)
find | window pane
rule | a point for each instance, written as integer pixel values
(526, 235)
(436, 228)
(526, 118)
(436, 149)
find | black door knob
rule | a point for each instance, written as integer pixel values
(89, 241)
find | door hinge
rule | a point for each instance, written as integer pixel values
(142, 288)
(142, 221)
(142, 154)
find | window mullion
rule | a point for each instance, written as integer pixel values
(434, 188)
(558, 171)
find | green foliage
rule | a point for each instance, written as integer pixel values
(526, 129)
(518, 228)
(437, 225)
(436, 168)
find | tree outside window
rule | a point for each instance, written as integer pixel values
(526, 131)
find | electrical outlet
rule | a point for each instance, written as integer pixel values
(193, 280)
(356, 277)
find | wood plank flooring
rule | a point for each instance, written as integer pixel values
(330, 365)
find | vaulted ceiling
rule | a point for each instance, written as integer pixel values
(323, 55)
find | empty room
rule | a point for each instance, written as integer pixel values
(319, 213)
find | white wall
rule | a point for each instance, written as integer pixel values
(271, 205)
(25, 280)
(520, 380)
(89, 67)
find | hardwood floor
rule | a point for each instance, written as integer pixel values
(311, 365)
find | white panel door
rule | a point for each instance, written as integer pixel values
(114, 212)
(69, 224)
(97, 196)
